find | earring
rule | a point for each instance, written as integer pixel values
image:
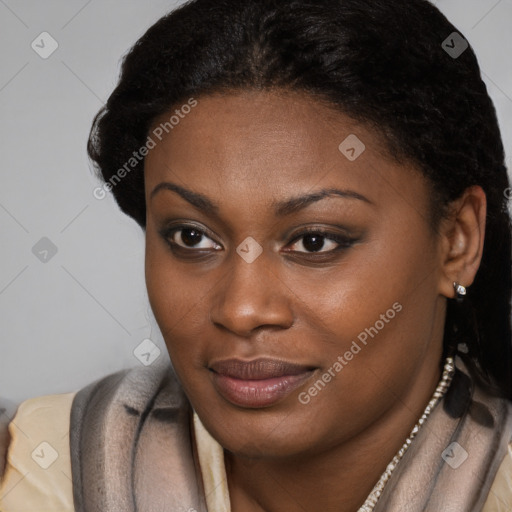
(460, 292)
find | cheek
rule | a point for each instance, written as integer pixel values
(367, 283)
(378, 308)
(176, 298)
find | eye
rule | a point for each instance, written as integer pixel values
(190, 237)
(319, 241)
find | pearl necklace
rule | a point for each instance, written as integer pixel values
(442, 387)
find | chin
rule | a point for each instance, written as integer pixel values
(260, 433)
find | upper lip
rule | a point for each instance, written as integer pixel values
(257, 369)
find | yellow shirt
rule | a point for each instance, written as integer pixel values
(37, 476)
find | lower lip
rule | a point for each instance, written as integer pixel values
(258, 393)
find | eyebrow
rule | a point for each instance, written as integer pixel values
(281, 208)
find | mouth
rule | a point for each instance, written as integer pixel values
(257, 383)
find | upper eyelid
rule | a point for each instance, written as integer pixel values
(173, 229)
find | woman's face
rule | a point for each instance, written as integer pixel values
(295, 281)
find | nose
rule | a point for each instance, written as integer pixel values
(251, 296)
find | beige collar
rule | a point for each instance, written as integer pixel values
(213, 470)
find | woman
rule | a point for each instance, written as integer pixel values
(316, 187)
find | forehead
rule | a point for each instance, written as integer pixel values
(255, 144)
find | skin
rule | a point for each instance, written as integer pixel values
(244, 151)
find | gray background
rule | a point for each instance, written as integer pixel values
(81, 313)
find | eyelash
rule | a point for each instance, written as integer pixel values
(343, 241)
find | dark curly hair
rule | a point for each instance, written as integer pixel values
(382, 63)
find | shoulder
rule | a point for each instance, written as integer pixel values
(37, 472)
(51, 440)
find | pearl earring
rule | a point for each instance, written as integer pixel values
(460, 291)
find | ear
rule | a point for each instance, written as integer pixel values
(462, 240)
